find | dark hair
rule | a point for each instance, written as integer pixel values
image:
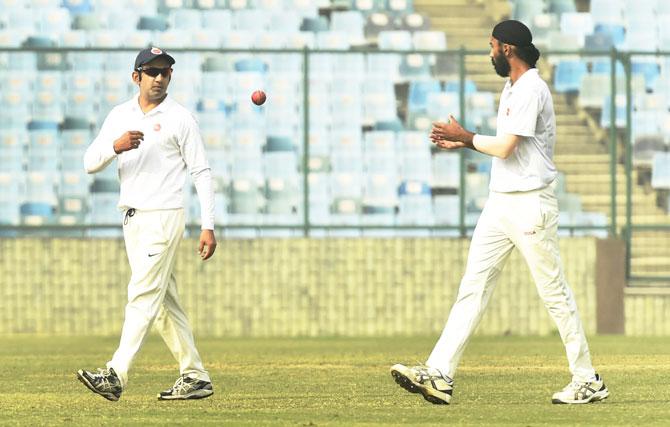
(528, 54)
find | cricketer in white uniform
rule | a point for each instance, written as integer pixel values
(521, 212)
(155, 142)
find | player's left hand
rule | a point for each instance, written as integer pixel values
(207, 244)
(449, 131)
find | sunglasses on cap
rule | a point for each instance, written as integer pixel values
(153, 72)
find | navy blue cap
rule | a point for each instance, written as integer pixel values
(149, 54)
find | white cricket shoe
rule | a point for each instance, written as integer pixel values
(587, 392)
(435, 387)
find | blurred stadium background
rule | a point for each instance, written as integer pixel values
(335, 215)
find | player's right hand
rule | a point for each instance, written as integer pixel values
(128, 141)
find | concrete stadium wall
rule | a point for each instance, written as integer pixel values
(280, 287)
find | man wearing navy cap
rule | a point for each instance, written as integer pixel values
(521, 212)
(155, 142)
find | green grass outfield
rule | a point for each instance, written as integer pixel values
(334, 381)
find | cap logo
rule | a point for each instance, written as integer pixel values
(156, 51)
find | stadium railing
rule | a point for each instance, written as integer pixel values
(455, 60)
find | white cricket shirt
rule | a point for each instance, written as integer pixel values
(153, 175)
(526, 109)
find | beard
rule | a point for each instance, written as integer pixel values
(501, 65)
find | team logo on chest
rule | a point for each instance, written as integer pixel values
(157, 127)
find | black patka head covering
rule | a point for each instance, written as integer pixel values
(513, 32)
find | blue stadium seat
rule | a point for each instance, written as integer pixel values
(39, 205)
(376, 23)
(285, 21)
(320, 199)
(598, 43)
(562, 6)
(283, 199)
(368, 6)
(620, 108)
(480, 108)
(416, 166)
(350, 162)
(647, 68)
(351, 22)
(87, 21)
(446, 170)
(254, 65)
(11, 38)
(279, 158)
(346, 211)
(415, 204)
(12, 187)
(217, 19)
(314, 24)
(252, 20)
(568, 75)
(446, 209)
(246, 201)
(419, 91)
(400, 7)
(346, 110)
(455, 86)
(153, 23)
(577, 23)
(429, 40)
(383, 66)
(441, 105)
(185, 19)
(246, 167)
(52, 20)
(12, 145)
(415, 67)
(346, 185)
(75, 183)
(77, 7)
(395, 40)
(640, 36)
(616, 32)
(73, 38)
(607, 11)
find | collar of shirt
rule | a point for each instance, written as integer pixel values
(160, 108)
(525, 76)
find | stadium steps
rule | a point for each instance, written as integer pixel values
(580, 154)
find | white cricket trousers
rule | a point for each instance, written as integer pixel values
(528, 221)
(152, 239)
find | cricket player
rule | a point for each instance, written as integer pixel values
(521, 212)
(155, 142)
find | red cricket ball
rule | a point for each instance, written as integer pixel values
(258, 97)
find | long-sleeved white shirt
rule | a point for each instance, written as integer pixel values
(153, 175)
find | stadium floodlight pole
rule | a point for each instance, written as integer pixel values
(463, 153)
(305, 141)
(628, 159)
(613, 143)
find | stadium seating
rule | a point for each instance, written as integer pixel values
(368, 153)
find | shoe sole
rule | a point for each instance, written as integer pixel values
(108, 396)
(403, 379)
(596, 397)
(197, 394)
